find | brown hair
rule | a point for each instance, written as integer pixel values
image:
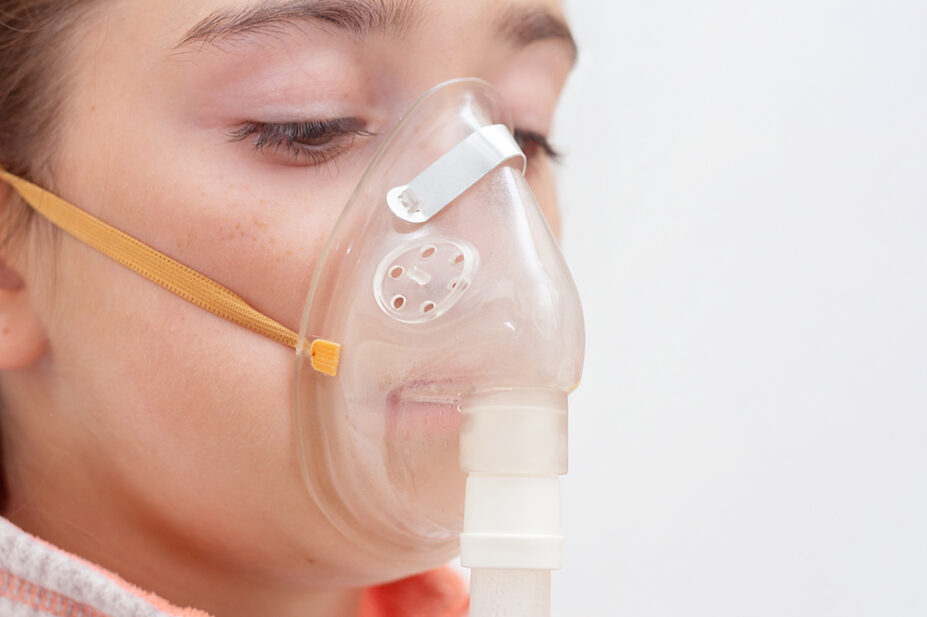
(33, 78)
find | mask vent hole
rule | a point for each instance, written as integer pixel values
(398, 302)
(396, 271)
(427, 307)
(428, 251)
(458, 259)
(458, 282)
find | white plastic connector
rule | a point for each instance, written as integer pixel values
(514, 432)
(513, 446)
(512, 522)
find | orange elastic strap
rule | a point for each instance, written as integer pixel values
(166, 272)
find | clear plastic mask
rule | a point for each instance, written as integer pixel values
(476, 298)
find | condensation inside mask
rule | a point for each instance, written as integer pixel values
(476, 298)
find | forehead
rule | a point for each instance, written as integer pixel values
(183, 25)
(138, 46)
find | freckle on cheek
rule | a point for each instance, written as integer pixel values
(185, 242)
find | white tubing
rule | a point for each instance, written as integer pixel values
(509, 593)
(513, 447)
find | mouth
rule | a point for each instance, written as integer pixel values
(423, 436)
(427, 407)
(428, 393)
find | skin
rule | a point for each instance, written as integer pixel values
(152, 437)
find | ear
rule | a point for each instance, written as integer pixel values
(22, 336)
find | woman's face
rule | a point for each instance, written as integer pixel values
(227, 134)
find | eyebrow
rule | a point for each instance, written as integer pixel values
(519, 24)
(524, 25)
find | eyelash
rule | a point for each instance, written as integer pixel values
(332, 137)
(335, 136)
(531, 143)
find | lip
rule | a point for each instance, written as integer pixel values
(432, 407)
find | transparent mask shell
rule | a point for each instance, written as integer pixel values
(476, 298)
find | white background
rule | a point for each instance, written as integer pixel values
(745, 201)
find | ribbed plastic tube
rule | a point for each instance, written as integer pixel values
(513, 448)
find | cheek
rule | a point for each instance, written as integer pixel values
(254, 230)
(147, 368)
(203, 401)
(187, 414)
(186, 418)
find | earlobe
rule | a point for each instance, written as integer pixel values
(22, 336)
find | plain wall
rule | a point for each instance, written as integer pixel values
(745, 208)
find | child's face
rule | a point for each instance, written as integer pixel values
(146, 421)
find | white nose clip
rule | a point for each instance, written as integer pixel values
(456, 171)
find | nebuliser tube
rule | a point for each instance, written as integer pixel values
(460, 331)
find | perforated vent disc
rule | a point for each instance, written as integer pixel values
(423, 279)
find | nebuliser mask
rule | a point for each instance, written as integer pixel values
(441, 335)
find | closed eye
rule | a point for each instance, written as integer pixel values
(314, 142)
(309, 143)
